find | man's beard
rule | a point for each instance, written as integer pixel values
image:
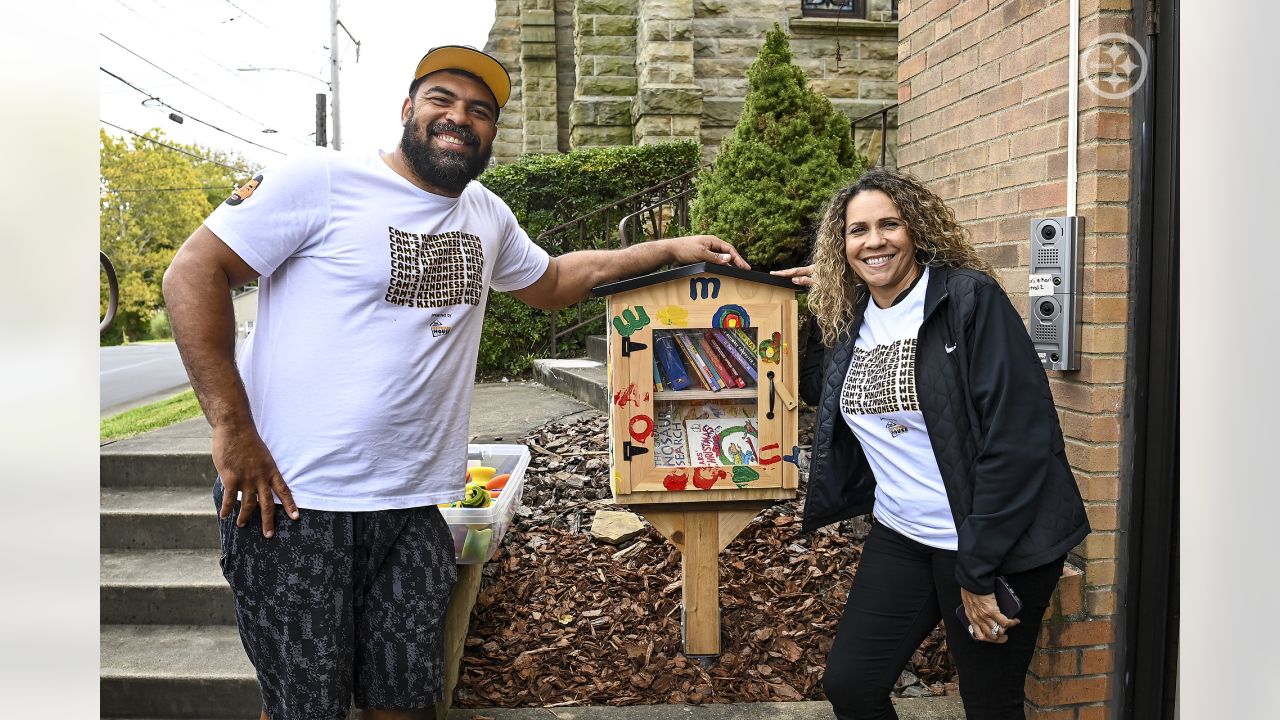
(448, 170)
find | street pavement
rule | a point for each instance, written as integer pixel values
(132, 375)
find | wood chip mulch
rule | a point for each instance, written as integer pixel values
(565, 619)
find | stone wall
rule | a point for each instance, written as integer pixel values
(983, 120)
(605, 57)
(538, 75)
(504, 44)
(566, 70)
(668, 104)
(852, 62)
(640, 71)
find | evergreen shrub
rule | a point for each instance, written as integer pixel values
(790, 150)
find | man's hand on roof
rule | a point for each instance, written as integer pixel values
(706, 248)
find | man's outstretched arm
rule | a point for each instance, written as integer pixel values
(570, 277)
(197, 294)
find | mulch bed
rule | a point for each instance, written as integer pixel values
(565, 619)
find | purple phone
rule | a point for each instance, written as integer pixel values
(1006, 599)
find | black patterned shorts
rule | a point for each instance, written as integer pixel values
(341, 606)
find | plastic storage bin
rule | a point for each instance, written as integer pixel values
(477, 532)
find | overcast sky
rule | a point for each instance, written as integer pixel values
(188, 54)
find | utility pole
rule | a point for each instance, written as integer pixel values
(334, 24)
(333, 73)
(321, 138)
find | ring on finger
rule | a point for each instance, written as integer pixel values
(995, 629)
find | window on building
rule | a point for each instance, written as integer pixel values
(835, 8)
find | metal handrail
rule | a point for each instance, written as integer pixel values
(113, 292)
(883, 114)
(630, 200)
(627, 233)
(602, 238)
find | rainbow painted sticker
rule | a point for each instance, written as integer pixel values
(731, 316)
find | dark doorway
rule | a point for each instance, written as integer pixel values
(1150, 648)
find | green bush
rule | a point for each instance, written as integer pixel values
(158, 328)
(789, 152)
(546, 190)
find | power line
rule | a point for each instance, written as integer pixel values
(184, 82)
(175, 149)
(158, 26)
(275, 38)
(248, 15)
(187, 114)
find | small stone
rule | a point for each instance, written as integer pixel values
(916, 691)
(616, 526)
(906, 679)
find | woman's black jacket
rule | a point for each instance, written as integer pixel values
(992, 424)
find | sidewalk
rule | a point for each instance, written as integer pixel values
(500, 412)
(948, 708)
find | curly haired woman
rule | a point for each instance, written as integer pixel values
(935, 416)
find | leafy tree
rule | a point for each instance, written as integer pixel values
(789, 152)
(152, 197)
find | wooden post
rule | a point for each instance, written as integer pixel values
(456, 620)
(699, 532)
(700, 572)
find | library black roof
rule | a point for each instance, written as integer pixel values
(690, 271)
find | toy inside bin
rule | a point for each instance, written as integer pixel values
(477, 532)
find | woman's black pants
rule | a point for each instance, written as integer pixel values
(899, 592)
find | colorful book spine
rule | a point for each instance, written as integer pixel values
(747, 343)
(721, 373)
(657, 372)
(703, 371)
(696, 345)
(665, 352)
(744, 362)
(722, 361)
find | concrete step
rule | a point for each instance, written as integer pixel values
(598, 348)
(583, 379)
(164, 587)
(133, 468)
(158, 518)
(175, 671)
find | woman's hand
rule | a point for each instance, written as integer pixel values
(984, 615)
(802, 275)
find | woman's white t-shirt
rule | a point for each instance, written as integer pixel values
(881, 405)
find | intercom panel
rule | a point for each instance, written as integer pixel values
(1054, 291)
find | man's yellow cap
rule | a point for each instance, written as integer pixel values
(468, 59)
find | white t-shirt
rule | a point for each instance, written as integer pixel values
(360, 366)
(880, 403)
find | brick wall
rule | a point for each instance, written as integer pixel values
(982, 120)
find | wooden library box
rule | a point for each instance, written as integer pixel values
(703, 419)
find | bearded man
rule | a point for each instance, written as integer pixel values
(346, 421)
